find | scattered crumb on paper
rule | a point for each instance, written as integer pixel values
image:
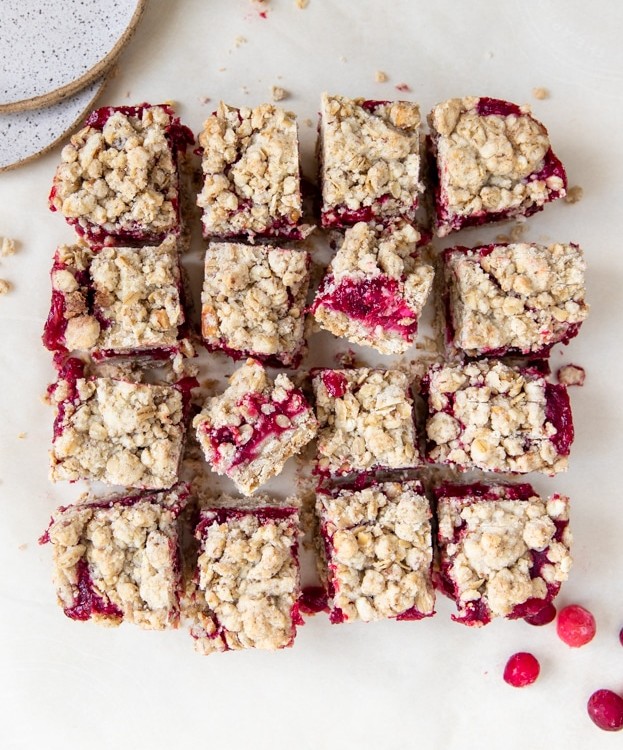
(302, 4)
(7, 247)
(574, 194)
(278, 93)
(540, 93)
(403, 87)
(571, 375)
(5, 286)
(380, 76)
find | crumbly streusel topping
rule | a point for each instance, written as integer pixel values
(123, 176)
(235, 412)
(249, 576)
(370, 425)
(379, 541)
(487, 546)
(571, 375)
(484, 160)
(135, 290)
(519, 296)
(489, 416)
(366, 253)
(251, 170)
(253, 299)
(130, 551)
(120, 433)
(369, 155)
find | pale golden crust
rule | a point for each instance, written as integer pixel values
(380, 550)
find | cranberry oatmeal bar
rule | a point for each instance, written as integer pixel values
(248, 582)
(253, 302)
(365, 420)
(251, 430)
(376, 552)
(251, 174)
(504, 551)
(369, 154)
(513, 299)
(117, 432)
(119, 179)
(118, 558)
(375, 288)
(494, 161)
(490, 416)
(118, 302)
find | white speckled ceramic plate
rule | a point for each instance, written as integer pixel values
(54, 48)
(25, 135)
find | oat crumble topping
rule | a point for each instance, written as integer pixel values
(253, 299)
(121, 177)
(378, 548)
(251, 172)
(5, 286)
(490, 416)
(489, 164)
(248, 578)
(130, 550)
(571, 375)
(370, 156)
(370, 425)
(134, 291)
(365, 254)
(7, 247)
(117, 432)
(523, 297)
(251, 444)
(487, 549)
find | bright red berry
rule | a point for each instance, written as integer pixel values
(543, 616)
(521, 669)
(576, 626)
(606, 710)
(621, 636)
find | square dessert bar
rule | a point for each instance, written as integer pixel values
(253, 302)
(513, 299)
(251, 174)
(117, 302)
(118, 558)
(248, 580)
(118, 179)
(375, 288)
(376, 552)
(503, 550)
(493, 162)
(366, 420)
(369, 153)
(491, 416)
(251, 430)
(113, 431)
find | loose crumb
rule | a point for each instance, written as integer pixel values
(204, 99)
(540, 93)
(574, 194)
(380, 76)
(5, 286)
(302, 4)
(222, 70)
(403, 87)
(7, 247)
(239, 41)
(308, 122)
(22, 547)
(128, 93)
(571, 375)
(343, 59)
(278, 93)
(21, 436)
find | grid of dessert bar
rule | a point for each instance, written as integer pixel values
(388, 531)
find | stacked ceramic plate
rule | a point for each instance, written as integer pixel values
(61, 54)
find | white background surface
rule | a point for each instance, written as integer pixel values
(386, 685)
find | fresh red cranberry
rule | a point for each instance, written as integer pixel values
(606, 710)
(621, 636)
(576, 626)
(521, 669)
(543, 616)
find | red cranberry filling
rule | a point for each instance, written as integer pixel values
(521, 669)
(335, 383)
(56, 324)
(263, 514)
(487, 106)
(375, 302)
(558, 412)
(313, 599)
(282, 359)
(544, 616)
(87, 602)
(264, 425)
